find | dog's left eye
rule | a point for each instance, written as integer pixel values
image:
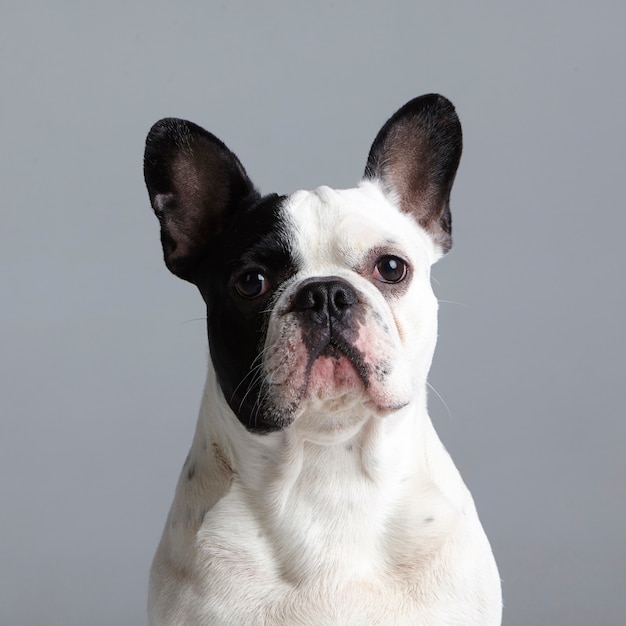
(390, 269)
(252, 285)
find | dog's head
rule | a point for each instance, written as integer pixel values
(319, 306)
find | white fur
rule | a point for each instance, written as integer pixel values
(354, 514)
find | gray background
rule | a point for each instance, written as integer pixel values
(103, 352)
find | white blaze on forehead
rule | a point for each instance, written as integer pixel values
(336, 228)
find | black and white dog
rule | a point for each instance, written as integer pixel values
(316, 491)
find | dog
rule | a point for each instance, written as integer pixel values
(316, 491)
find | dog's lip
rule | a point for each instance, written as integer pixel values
(336, 348)
(335, 366)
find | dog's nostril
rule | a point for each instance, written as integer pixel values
(309, 297)
(341, 295)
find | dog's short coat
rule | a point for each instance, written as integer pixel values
(316, 491)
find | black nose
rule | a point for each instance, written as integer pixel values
(325, 299)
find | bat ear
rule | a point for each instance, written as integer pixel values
(194, 182)
(415, 157)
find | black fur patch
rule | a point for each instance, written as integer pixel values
(255, 239)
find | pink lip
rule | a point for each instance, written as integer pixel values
(332, 373)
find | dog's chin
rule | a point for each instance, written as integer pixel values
(331, 375)
(328, 396)
(337, 401)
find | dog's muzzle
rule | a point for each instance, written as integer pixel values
(328, 313)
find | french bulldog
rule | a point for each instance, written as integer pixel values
(316, 491)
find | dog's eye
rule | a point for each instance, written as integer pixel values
(390, 269)
(252, 285)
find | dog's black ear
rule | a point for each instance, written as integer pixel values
(415, 157)
(193, 181)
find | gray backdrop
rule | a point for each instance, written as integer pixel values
(104, 352)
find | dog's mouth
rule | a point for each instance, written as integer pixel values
(325, 375)
(335, 369)
(339, 349)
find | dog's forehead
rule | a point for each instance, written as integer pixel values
(343, 225)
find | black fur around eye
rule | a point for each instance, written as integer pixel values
(252, 285)
(390, 269)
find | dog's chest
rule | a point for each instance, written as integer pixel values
(325, 553)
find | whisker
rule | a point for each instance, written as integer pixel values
(250, 388)
(442, 400)
(453, 302)
(195, 319)
(254, 367)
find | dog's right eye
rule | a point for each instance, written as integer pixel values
(390, 269)
(252, 285)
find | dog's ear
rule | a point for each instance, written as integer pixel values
(193, 181)
(415, 157)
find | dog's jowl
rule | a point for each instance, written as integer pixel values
(316, 491)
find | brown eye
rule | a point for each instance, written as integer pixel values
(252, 285)
(390, 269)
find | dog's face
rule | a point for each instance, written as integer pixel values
(350, 328)
(319, 307)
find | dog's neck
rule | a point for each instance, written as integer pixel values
(378, 451)
(331, 499)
